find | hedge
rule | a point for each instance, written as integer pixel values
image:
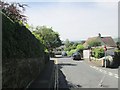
(23, 56)
(98, 52)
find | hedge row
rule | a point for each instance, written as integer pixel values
(23, 56)
(98, 52)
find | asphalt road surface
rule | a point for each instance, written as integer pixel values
(80, 74)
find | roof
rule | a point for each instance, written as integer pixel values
(108, 41)
(91, 39)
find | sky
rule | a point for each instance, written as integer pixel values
(75, 20)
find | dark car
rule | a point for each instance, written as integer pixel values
(64, 53)
(76, 56)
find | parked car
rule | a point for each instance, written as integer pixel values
(76, 56)
(64, 53)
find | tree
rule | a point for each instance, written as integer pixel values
(80, 47)
(48, 37)
(94, 43)
(67, 43)
(14, 11)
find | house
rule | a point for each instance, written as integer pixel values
(105, 41)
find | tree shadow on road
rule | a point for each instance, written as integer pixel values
(63, 83)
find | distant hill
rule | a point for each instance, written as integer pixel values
(75, 41)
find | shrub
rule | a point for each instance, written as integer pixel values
(98, 52)
(71, 52)
(22, 55)
(80, 47)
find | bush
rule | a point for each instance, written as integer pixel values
(80, 47)
(23, 56)
(52, 54)
(98, 52)
(71, 52)
(47, 57)
(117, 57)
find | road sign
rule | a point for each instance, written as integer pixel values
(105, 48)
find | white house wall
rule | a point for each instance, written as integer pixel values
(86, 53)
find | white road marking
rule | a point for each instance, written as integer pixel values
(116, 75)
(100, 70)
(104, 71)
(96, 68)
(91, 66)
(109, 73)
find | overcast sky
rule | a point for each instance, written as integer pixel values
(75, 20)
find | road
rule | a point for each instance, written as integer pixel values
(80, 74)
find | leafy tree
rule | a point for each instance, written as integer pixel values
(48, 37)
(14, 11)
(80, 47)
(67, 43)
(94, 43)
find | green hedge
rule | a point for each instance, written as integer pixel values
(117, 57)
(98, 52)
(23, 56)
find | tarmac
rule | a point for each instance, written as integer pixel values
(46, 78)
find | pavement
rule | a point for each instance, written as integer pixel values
(45, 79)
(93, 62)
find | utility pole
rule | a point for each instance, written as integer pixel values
(105, 49)
(101, 82)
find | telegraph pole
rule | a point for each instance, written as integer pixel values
(101, 82)
(105, 49)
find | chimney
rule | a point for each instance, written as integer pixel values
(99, 35)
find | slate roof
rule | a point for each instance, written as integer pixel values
(108, 41)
